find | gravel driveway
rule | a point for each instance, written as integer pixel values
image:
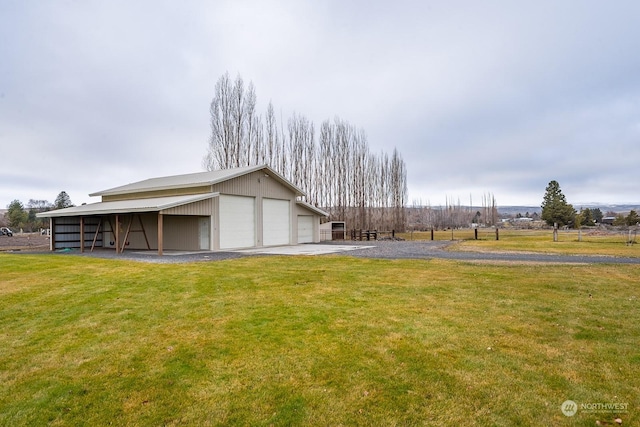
(437, 249)
(377, 249)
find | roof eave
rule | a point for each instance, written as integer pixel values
(312, 208)
(85, 210)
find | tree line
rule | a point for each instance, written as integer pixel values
(453, 214)
(557, 212)
(332, 164)
(23, 217)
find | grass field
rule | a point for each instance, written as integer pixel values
(570, 242)
(315, 341)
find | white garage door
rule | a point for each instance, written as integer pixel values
(237, 222)
(305, 229)
(276, 223)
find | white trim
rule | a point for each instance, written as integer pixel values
(127, 206)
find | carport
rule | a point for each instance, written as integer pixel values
(135, 224)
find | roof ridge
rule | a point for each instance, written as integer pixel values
(181, 180)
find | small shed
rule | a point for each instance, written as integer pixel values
(333, 230)
(608, 220)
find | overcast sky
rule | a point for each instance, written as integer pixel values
(479, 97)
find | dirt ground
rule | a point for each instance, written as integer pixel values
(24, 242)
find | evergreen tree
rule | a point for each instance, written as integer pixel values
(597, 215)
(620, 220)
(632, 218)
(555, 209)
(16, 214)
(62, 201)
(586, 217)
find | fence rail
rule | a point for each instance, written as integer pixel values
(598, 235)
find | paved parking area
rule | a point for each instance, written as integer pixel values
(305, 249)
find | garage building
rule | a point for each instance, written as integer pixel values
(245, 207)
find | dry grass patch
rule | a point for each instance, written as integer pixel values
(570, 242)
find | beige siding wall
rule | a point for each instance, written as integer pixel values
(181, 233)
(202, 208)
(161, 193)
(136, 238)
(255, 184)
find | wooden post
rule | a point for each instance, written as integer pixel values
(126, 234)
(431, 233)
(160, 234)
(475, 233)
(81, 234)
(555, 231)
(497, 233)
(95, 236)
(144, 232)
(52, 234)
(117, 233)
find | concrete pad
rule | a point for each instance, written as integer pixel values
(171, 253)
(302, 249)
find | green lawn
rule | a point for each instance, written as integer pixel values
(315, 341)
(570, 242)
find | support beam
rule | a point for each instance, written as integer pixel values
(52, 234)
(160, 233)
(117, 233)
(111, 230)
(126, 234)
(95, 236)
(146, 239)
(81, 234)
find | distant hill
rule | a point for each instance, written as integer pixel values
(617, 208)
(515, 210)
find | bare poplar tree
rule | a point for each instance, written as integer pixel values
(271, 139)
(222, 142)
(325, 166)
(338, 173)
(250, 145)
(398, 190)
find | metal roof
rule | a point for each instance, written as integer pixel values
(156, 204)
(312, 208)
(193, 180)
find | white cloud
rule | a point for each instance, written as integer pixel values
(494, 97)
